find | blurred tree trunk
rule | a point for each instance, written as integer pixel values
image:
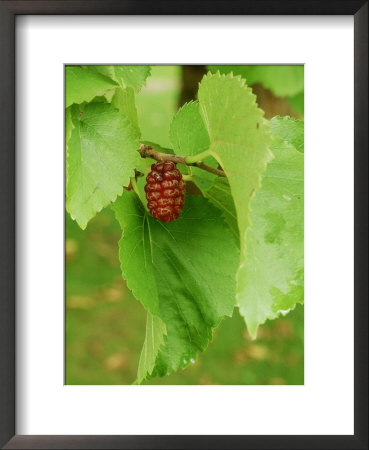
(191, 77)
(267, 101)
(272, 105)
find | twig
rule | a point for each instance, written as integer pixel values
(146, 151)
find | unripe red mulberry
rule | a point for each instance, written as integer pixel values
(165, 191)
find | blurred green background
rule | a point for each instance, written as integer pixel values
(105, 324)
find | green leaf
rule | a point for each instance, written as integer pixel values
(68, 124)
(170, 269)
(154, 339)
(190, 137)
(102, 153)
(124, 101)
(99, 99)
(125, 76)
(239, 141)
(220, 196)
(290, 130)
(68, 133)
(282, 80)
(83, 84)
(272, 277)
(187, 131)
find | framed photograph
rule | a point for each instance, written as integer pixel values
(184, 229)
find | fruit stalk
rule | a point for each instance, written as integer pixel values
(146, 151)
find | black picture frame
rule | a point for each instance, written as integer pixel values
(8, 12)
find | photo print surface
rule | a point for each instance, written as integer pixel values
(184, 225)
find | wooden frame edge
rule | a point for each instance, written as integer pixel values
(8, 11)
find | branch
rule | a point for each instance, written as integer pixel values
(146, 151)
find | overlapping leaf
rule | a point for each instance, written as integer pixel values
(68, 124)
(124, 101)
(68, 133)
(170, 269)
(154, 339)
(239, 141)
(190, 137)
(290, 130)
(101, 156)
(272, 278)
(125, 75)
(220, 196)
(273, 273)
(83, 84)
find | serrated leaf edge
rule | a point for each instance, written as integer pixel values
(118, 194)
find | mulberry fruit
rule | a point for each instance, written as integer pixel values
(165, 191)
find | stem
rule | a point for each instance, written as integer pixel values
(197, 158)
(187, 177)
(135, 188)
(146, 151)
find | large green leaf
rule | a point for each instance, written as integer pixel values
(220, 196)
(187, 131)
(125, 76)
(101, 156)
(83, 84)
(282, 80)
(273, 274)
(272, 278)
(68, 133)
(68, 124)
(171, 269)
(124, 101)
(290, 130)
(239, 141)
(154, 339)
(189, 137)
